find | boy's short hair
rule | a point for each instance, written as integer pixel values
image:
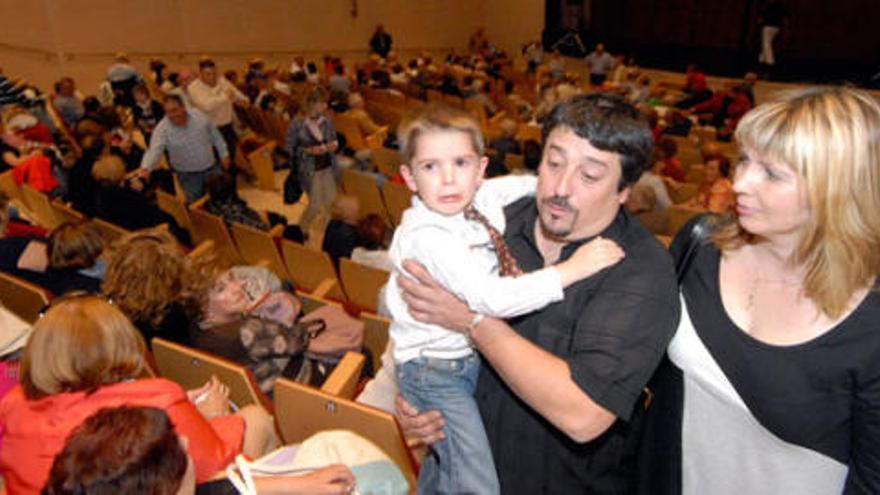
(437, 117)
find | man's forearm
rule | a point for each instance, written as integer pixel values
(542, 380)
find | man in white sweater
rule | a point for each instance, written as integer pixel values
(214, 95)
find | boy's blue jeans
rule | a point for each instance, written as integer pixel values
(462, 462)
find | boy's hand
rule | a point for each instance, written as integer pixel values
(589, 259)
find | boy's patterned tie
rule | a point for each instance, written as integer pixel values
(509, 266)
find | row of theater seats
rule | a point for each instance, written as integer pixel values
(300, 410)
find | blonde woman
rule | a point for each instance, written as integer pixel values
(85, 355)
(777, 357)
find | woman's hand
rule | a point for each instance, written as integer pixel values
(418, 428)
(333, 479)
(430, 302)
(211, 399)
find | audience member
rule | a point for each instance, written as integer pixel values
(190, 140)
(81, 185)
(67, 102)
(771, 19)
(85, 355)
(341, 235)
(532, 155)
(677, 124)
(724, 109)
(505, 143)
(641, 92)
(126, 141)
(478, 42)
(654, 179)
(599, 63)
(122, 77)
(358, 113)
(375, 237)
(224, 201)
(696, 89)
(232, 327)
(124, 203)
(56, 262)
(129, 449)
(215, 96)
(157, 71)
(671, 164)
(123, 450)
(716, 192)
(785, 287)
(641, 199)
(147, 112)
(380, 42)
(312, 144)
(338, 82)
(13, 93)
(94, 121)
(155, 284)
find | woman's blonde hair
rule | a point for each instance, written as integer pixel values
(831, 138)
(147, 272)
(437, 117)
(81, 343)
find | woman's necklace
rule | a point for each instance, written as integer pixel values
(778, 285)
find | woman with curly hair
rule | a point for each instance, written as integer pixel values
(155, 284)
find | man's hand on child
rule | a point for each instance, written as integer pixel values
(430, 302)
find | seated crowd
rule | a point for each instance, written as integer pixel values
(89, 414)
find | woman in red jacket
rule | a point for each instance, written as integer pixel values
(84, 355)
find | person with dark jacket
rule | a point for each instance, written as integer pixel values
(380, 43)
(123, 203)
(341, 236)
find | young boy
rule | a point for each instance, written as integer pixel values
(442, 150)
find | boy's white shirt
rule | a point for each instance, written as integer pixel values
(459, 254)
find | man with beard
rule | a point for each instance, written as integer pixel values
(562, 395)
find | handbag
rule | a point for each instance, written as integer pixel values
(373, 469)
(659, 453)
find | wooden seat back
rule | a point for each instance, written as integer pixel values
(362, 283)
(191, 368)
(302, 411)
(21, 297)
(309, 268)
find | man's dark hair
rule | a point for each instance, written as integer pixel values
(610, 124)
(173, 97)
(221, 187)
(206, 63)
